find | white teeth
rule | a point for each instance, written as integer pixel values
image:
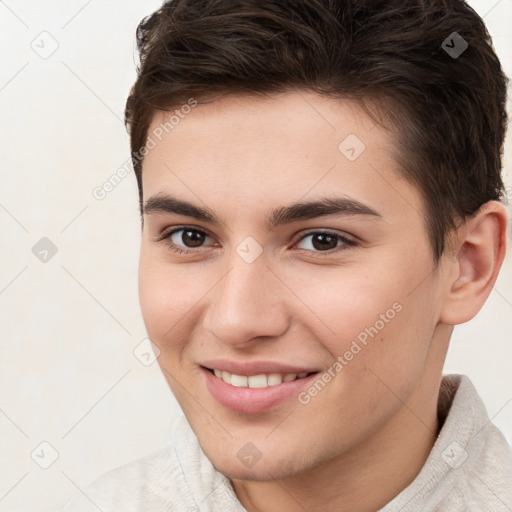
(262, 380)
(240, 381)
(256, 381)
(274, 379)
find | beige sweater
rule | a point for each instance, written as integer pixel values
(468, 470)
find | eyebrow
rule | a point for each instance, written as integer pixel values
(164, 203)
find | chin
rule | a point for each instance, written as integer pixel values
(264, 470)
(259, 473)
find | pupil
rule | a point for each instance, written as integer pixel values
(325, 241)
(195, 239)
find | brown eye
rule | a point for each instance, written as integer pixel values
(319, 241)
(185, 239)
(188, 237)
(324, 242)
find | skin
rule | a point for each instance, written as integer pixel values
(376, 419)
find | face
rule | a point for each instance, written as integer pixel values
(321, 317)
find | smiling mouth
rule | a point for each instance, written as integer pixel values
(262, 380)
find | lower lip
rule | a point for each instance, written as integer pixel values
(253, 400)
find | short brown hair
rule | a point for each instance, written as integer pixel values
(447, 111)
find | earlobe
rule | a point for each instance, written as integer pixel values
(482, 245)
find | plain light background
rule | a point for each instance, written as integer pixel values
(69, 377)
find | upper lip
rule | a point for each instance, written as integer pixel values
(254, 367)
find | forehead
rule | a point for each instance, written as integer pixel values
(269, 151)
(293, 124)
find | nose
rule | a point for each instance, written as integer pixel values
(248, 304)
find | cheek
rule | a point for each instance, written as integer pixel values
(167, 295)
(371, 319)
(344, 302)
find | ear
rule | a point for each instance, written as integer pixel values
(477, 257)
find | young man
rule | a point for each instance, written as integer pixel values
(320, 194)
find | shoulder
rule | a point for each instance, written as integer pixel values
(470, 465)
(480, 473)
(477, 458)
(152, 482)
(178, 477)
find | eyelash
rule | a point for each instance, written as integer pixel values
(346, 242)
